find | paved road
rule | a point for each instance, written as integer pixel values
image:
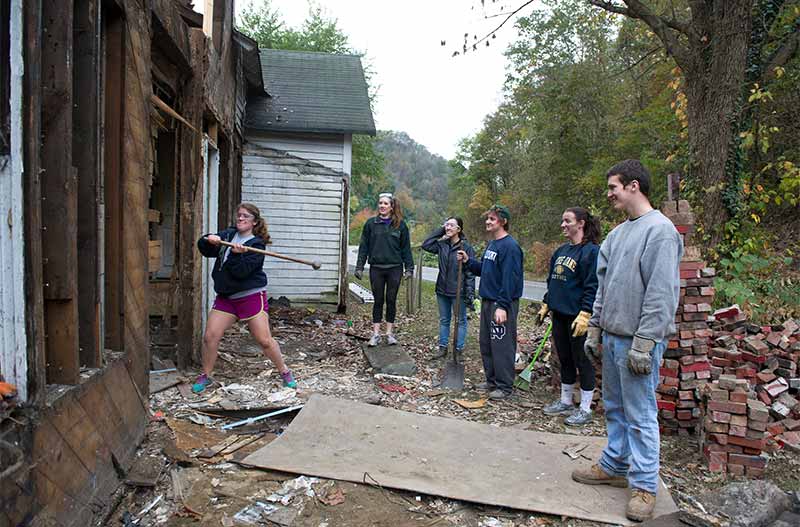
(532, 291)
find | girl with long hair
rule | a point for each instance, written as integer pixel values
(571, 288)
(386, 244)
(241, 287)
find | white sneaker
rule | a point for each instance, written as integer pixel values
(391, 340)
(374, 341)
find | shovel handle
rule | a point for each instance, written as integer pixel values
(315, 265)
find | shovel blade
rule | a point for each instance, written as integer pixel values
(453, 376)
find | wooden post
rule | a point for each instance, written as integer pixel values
(32, 112)
(60, 196)
(86, 157)
(419, 279)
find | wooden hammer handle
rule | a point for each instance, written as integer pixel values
(315, 265)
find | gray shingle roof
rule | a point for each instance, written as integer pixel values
(311, 92)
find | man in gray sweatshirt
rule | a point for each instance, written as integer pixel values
(634, 314)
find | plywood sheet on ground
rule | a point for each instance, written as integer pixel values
(339, 439)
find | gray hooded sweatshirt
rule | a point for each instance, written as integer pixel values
(639, 278)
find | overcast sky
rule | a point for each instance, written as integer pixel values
(422, 90)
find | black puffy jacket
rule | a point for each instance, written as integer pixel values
(446, 282)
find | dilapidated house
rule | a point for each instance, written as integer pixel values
(122, 128)
(297, 163)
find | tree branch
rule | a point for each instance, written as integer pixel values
(665, 29)
(783, 54)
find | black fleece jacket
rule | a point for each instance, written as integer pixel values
(446, 282)
(384, 245)
(241, 271)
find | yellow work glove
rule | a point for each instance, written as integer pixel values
(543, 311)
(581, 324)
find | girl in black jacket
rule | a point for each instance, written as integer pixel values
(571, 288)
(386, 244)
(446, 241)
(241, 287)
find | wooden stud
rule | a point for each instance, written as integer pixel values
(60, 195)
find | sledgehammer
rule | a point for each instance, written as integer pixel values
(315, 265)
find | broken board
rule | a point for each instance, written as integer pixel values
(392, 360)
(346, 440)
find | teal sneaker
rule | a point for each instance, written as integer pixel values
(288, 379)
(202, 382)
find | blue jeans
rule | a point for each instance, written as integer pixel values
(445, 314)
(633, 447)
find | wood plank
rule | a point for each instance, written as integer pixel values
(122, 390)
(100, 409)
(153, 216)
(137, 178)
(345, 240)
(34, 282)
(86, 158)
(113, 93)
(53, 457)
(60, 195)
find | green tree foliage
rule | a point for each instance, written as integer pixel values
(587, 88)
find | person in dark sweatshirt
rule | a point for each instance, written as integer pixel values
(241, 287)
(502, 281)
(386, 245)
(445, 242)
(638, 285)
(571, 288)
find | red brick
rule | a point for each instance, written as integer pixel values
(720, 417)
(749, 357)
(721, 439)
(718, 394)
(761, 426)
(744, 442)
(718, 457)
(717, 361)
(753, 472)
(777, 387)
(738, 431)
(668, 372)
(729, 407)
(738, 397)
(764, 377)
(791, 424)
(764, 397)
(706, 374)
(775, 428)
(738, 420)
(707, 291)
(697, 366)
(715, 428)
(748, 461)
(736, 470)
(692, 317)
(684, 415)
(665, 405)
(717, 467)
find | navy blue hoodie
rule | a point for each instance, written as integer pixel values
(572, 281)
(241, 271)
(500, 269)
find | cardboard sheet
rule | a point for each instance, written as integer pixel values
(346, 440)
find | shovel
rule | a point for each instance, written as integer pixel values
(523, 380)
(454, 370)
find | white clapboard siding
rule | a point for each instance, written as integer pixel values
(327, 150)
(302, 203)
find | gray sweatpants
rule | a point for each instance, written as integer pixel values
(498, 346)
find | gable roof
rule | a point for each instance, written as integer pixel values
(311, 92)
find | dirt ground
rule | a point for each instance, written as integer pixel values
(199, 487)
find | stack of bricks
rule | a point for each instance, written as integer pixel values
(767, 358)
(734, 430)
(686, 367)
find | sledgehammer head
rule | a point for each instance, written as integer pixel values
(316, 265)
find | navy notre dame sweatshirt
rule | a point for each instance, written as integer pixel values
(500, 269)
(572, 282)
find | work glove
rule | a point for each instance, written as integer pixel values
(592, 345)
(358, 273)
(580, 324)
(543, 311)
(409, 273)
(640, 358)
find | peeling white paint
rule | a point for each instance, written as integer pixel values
(13, 352)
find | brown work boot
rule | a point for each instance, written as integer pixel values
(595, 475)
(641, 505)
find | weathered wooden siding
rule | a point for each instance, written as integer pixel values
(13, 342)
(327, 150)
(302, 203)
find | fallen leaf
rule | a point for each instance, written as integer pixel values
(470, 405)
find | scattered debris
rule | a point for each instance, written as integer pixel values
(145, 471)
(471, 405)
(574, 450)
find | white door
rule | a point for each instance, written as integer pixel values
(210, 214)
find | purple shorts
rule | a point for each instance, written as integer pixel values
(244, 308)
